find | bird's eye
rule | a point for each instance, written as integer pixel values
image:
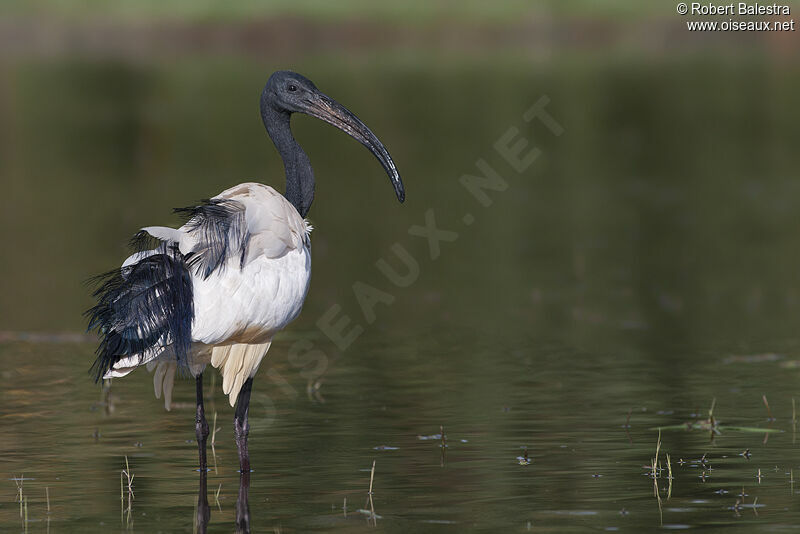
(292, 88)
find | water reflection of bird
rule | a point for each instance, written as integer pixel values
(217, 289)
(203, 512)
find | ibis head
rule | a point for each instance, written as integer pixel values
(287, 92)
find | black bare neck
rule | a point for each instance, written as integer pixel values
(299, 174)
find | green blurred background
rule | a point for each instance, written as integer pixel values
(656, 239)
(677, 164)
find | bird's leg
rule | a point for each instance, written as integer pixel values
(240, 426)
(200, 424)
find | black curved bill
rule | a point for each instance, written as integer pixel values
(332, 112)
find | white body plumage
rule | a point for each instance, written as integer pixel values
(239, 306)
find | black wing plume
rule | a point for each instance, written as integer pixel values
(220, 228)
(143, 307)
(148, 305)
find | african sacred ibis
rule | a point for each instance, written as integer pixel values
(217, 289)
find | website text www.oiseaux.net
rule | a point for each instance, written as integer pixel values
(741, 9)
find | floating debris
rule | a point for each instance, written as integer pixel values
(441, 437)
(385, 448)
(754, 358)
